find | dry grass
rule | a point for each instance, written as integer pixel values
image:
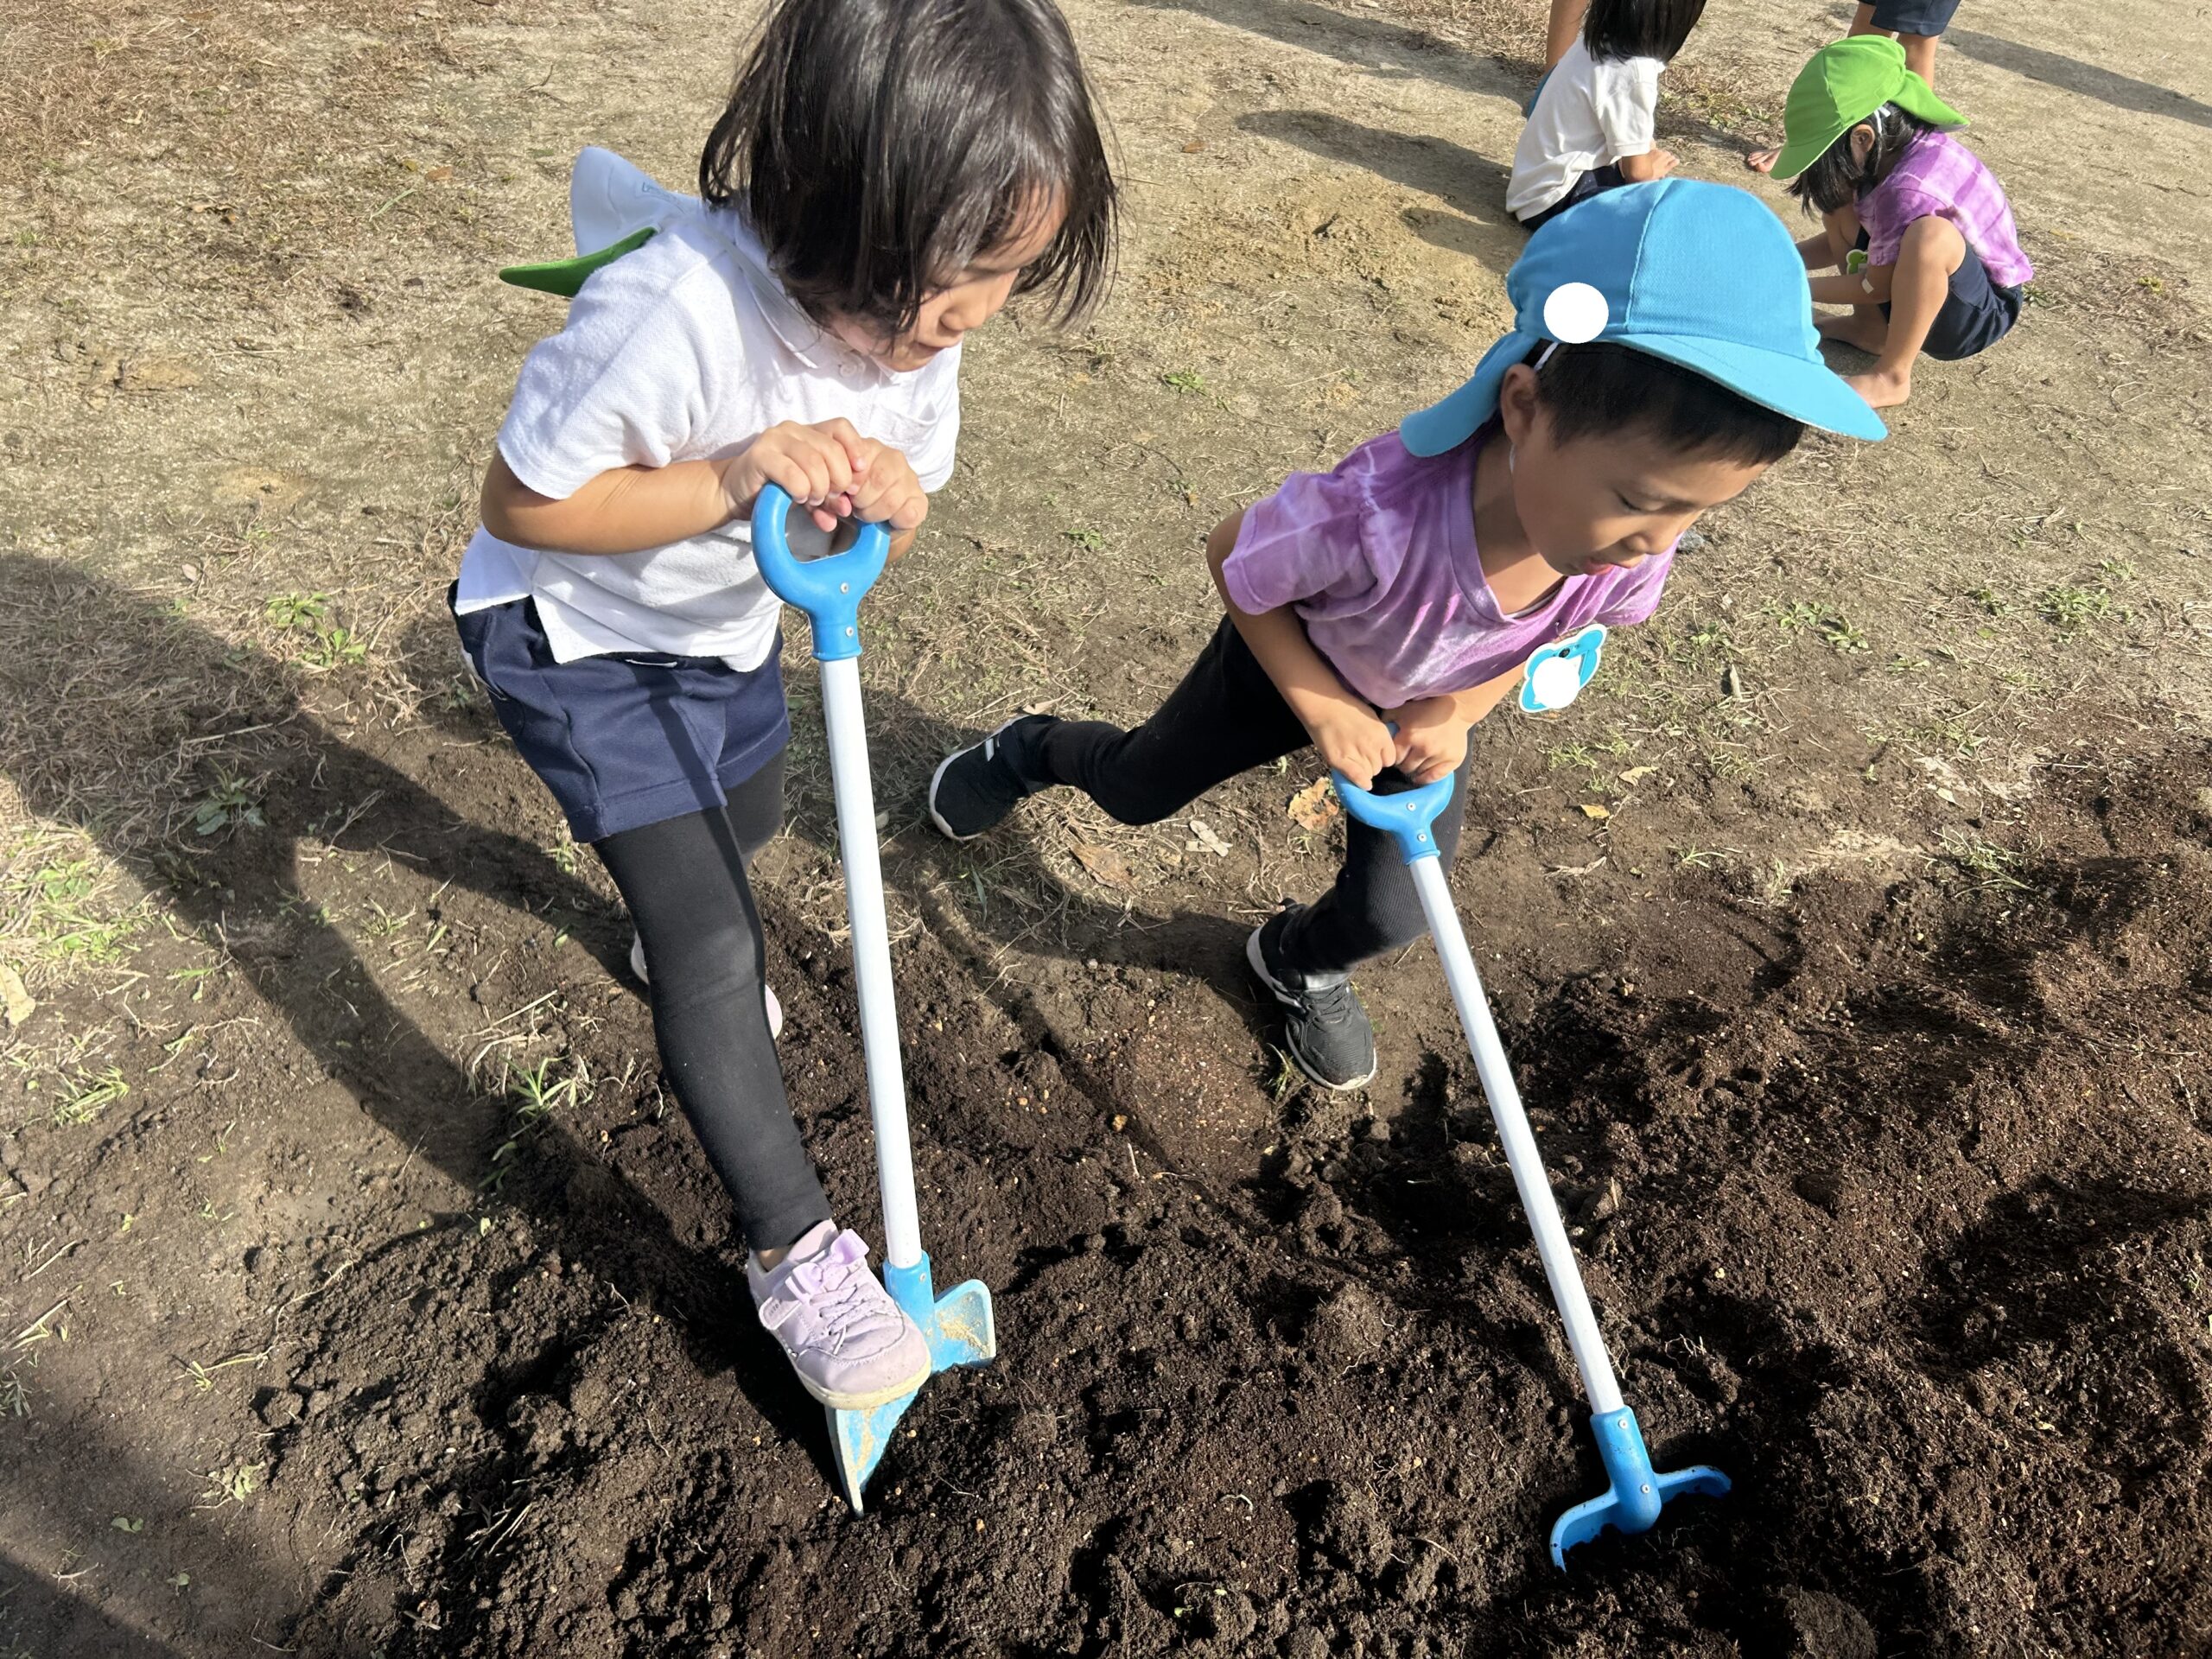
(235, 145)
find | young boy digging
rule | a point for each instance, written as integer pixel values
(1662, 357)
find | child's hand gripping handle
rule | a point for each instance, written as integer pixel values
(1407, 818)
(828, 589)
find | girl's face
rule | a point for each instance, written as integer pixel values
(968, 301)
(1611, 499)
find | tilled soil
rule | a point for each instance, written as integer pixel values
(1895, 1206)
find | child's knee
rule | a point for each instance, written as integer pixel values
(1135, 808)
(1933, 240)
(704, 958)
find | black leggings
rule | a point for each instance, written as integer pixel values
(1224, 718)
(684, 882)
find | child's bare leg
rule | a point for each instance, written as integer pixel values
(1919, 49)
(1561, 28)
(1920, 54)
(1931, 251)
(1818, 252)
(1863, 325)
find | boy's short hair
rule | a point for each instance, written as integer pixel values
(1833, 180)
(1639, 28)
(876, 147)
(1590, 391)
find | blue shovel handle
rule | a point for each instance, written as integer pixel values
(828, 589)
(1406, 818)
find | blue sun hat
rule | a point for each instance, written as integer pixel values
(1700, 275)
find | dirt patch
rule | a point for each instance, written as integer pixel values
(1897, 1206)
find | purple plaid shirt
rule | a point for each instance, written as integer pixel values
(1939, 175)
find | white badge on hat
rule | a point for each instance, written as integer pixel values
(1576, 313)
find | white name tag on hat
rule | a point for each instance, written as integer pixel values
(1554, 676)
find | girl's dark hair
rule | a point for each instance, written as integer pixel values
(1833, 180)
(876, 147)
(1639, 28)
(1591, 391)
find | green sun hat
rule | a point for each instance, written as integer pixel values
(1844, 84)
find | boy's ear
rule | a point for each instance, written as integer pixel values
(1518, 404)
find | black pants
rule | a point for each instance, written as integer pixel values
(684, 882)
(1224, 718)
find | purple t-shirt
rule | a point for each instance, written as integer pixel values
(1939, 177)
(1378, 559)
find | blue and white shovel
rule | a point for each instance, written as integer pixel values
(1632, 1502)
(958, 1324)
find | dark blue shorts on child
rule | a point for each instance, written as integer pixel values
(1977, 313)
(626, 740)
(1913, 16)
(1597, 180)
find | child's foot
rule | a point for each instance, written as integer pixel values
(852, 1346)
(1880, 387)
(977, 786)
(1325, 1027)
(775, 1009)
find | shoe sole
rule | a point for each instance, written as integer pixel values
(937, 777)
(841, 1401)
(936, 819)
(1259, 967)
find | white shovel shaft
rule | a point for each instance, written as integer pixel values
(856, 843)
(1521, 1153)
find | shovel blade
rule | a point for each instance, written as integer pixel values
(1637, 1492)
(961, 1331)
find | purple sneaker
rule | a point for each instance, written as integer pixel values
(852, 1346)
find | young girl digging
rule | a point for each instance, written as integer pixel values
(887, 173)
(1916, 230)
(1591, 126)
(1662, 357)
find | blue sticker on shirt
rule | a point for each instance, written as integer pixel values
(1554, 676)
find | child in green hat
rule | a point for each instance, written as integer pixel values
(1916, 230)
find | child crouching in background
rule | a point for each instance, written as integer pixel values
(1916, 229)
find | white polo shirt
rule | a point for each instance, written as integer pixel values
(1589, 114)
(686, 349)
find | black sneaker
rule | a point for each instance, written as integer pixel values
(1325, 1029)
(974, 787)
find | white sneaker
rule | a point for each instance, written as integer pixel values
(775, 1009)
(853, 1347)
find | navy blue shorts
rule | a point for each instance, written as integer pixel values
(1596, 181)
(1977, 313)
(626, 740)
(1914, 17)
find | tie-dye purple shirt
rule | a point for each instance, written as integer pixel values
(1939, 177)
(1378, 559)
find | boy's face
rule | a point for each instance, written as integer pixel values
(1612, 499)
(971, 299)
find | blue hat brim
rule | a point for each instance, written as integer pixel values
(1807, 391)
(1448, 424)
(1804, 391)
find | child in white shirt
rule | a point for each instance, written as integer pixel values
(1592, 125)
(887, 175)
